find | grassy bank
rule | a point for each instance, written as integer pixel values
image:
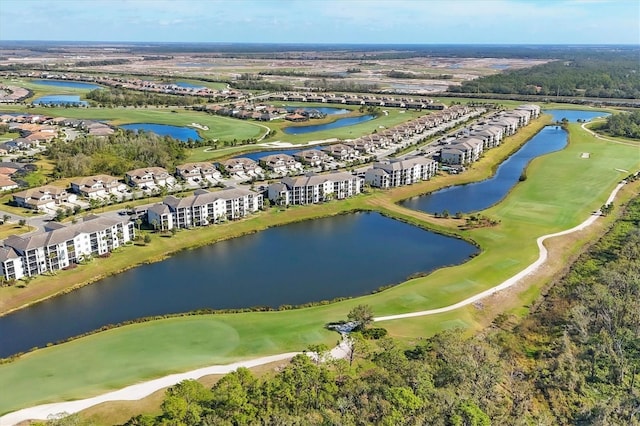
(129, 354)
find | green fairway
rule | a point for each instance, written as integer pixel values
(39, 90)
(221, 128)
(393, 118)
(561, 190)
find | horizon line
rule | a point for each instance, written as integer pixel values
(315, 43)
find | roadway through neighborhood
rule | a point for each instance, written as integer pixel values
(141, 390)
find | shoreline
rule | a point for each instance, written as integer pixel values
(365, 202)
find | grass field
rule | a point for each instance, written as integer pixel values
(42, 89)
(222, 128)
(561, 190)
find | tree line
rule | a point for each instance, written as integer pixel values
(625, 125)
(601, 75)
(115, 154)
(124, 97)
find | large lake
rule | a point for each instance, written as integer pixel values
(347, 255)
(176, 132)
(342, 122)
(69, 84)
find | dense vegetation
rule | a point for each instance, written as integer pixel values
(412, 75)
(626, 125)
(122, 97)
(604, 75)
(295, 73)
(575, 360)
(115, 155)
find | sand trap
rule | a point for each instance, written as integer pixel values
(585, 155)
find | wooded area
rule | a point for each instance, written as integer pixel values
(625, 125)
(121, 97)
(115, 154)
(592, 74)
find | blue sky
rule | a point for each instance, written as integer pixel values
(325, 21)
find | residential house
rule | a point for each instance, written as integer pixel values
(312, 157)
(280, 163)
(98, 186)
(362, 146)
(198, 172)
(340, 152)
(43, 197)
(149, 177)
(242, 165)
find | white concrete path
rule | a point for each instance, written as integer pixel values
(141, 390)
(513, 280)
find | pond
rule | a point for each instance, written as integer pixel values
(258, 155)
(176, 132)
(188, 85)
(323, 110)
(340, 256)
(342, 122)
(481, 195)
(73, 100)
(573, 115)
(69, 84)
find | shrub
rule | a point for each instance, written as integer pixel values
(375, 333)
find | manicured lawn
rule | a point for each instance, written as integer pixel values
(222, 128)
(394, 117)
(39, 90)
(561, 190)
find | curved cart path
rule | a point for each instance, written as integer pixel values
(141, 390)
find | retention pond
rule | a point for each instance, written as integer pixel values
(342, 256)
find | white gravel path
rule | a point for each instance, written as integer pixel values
(514, 279)
(141, 390)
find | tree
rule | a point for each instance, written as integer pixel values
(5, 218)
(361, 314)
(183, 403)
(147, 239)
